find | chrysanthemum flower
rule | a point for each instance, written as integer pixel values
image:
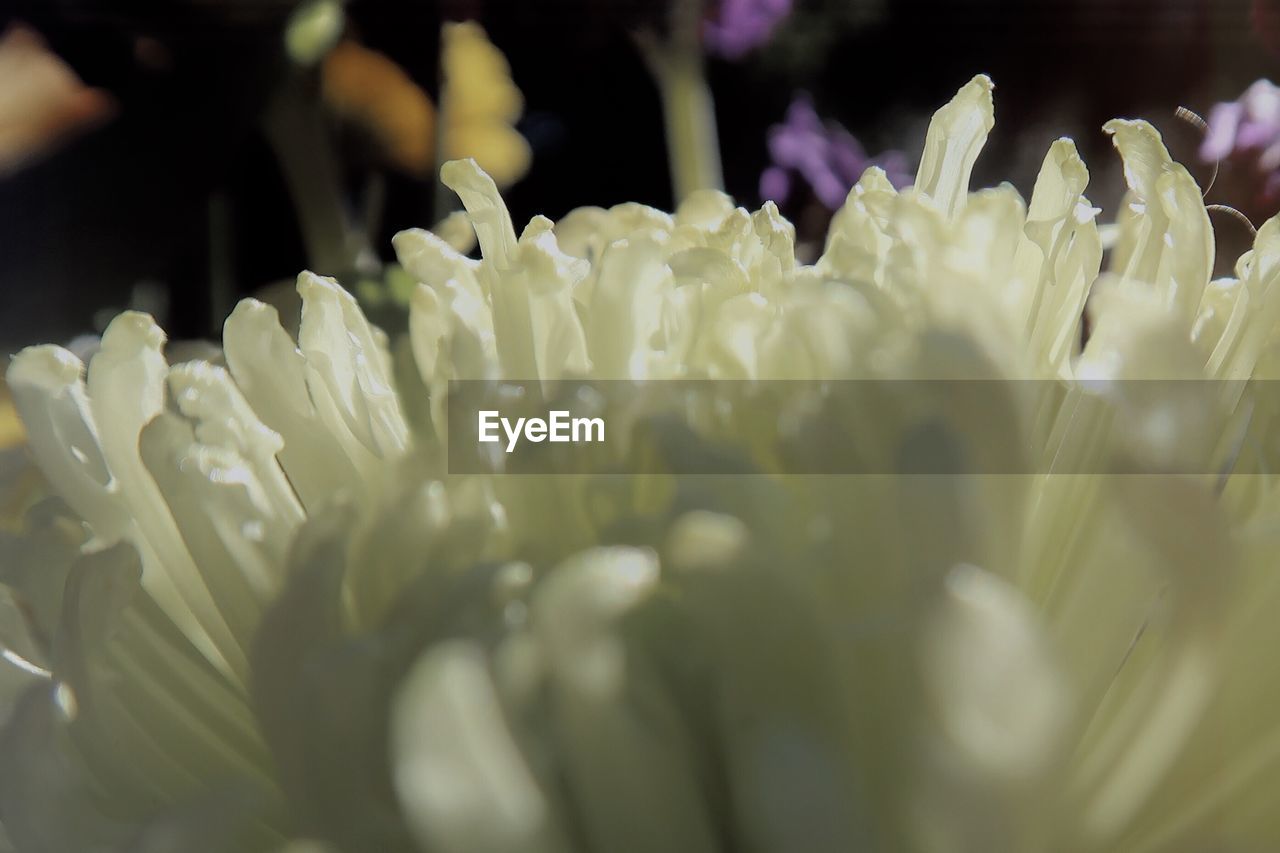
(267, 609)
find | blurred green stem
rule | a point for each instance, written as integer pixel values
(443, 201)
(298, 134)
(693, 147)
(690, 118)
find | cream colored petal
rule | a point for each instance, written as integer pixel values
(954, 140)
(126, 386)
(432, 260)
(272, 374)
(857, 246)
(208, 396)
(626, 307)
(536, 324)
(1002, 701)
(1166, 239)
(458, 773)
(611, 709)
(488, 213)
(50, 395)
(348, 372)
(1058, 258)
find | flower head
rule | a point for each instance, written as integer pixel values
(737, 27)
(480, 104)
(1253, 122)
(1248, 128)
(824, 155)
(267, 605)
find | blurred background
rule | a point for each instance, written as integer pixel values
(176, 155)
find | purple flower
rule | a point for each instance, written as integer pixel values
(739, 26)
(824, 155)
(1248, 127)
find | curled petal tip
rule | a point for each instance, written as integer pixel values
(982, 82)
(135, 330)
(1065, 146)
(1118, 127)
(458, 172)
(45, 366)
(404, 240)
(310, 284)
(250, 307)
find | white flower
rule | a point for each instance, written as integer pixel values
(283, 618)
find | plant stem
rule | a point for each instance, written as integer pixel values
(443, 200)
(693, 147)
(296, 129)
(689, 112)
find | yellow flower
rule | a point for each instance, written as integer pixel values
(481, 104)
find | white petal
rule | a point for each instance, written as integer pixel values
(485, 207)
(626, 308)
(51, 398)
(126, 390)
(1166, 239)
(1001, 698)
(206, 395)
(955, 138)
(459, 775)
(347, 370)
(272, 374)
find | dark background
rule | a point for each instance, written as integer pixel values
(130, 202)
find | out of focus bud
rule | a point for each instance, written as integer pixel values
(42, 101)
(313, 30)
